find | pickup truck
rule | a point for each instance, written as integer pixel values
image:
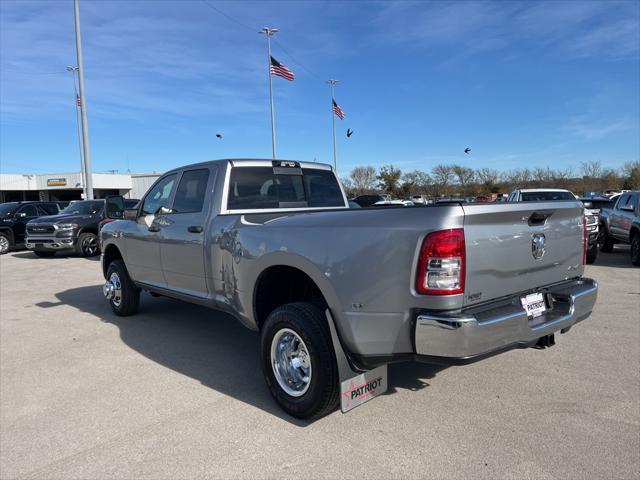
(621, 224)
(274, 244)
(74, 229)
(14, 217)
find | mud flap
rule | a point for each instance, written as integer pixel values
(356, 387)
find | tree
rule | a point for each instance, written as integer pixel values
(363, 179)
(488, 177)
(415, 183)
(632, 182)
(591, 169)
(465, 177)
(442, 178)
(389, 179)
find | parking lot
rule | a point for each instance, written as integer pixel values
(177, 392)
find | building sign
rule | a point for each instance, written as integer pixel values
(56, 182)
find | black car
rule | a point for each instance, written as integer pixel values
(14, 217)
(368, 200)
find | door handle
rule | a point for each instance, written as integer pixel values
(194, 229)
(154, 228)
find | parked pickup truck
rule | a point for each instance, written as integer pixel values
(74, 229)
(14, 217)
(274, 244)
(621, 224)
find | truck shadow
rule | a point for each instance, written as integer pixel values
(28, 254)
(620, 257)
(209, 346)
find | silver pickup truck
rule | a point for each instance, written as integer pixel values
(274, 244)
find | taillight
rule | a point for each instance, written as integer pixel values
(441, 266)
(585, 240)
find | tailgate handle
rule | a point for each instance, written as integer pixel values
(539, 218)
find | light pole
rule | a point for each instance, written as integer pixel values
(332, 82)
(83, 106)
(73, 70)
(269, 32)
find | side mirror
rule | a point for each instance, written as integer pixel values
(21, 215)
(627, 208)
(131, 214)
(114, 208)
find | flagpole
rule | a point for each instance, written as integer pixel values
(332, 83)
(269, 32)
(78, 121)
(83, 105)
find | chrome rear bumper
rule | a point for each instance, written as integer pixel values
(498, 326)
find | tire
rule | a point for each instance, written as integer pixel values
(319, 395)
(635, 249)
(5, 243)
(592, 254)
(87, 245)
(44, 253)
(605, 241)
(126, 299)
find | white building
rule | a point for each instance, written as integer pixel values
(68, 186)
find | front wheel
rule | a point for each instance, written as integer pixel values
(87, 244)
(298, 360)
(119, 289)
(592, 253)
(605, 241)
(635, 249)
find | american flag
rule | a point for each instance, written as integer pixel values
(337, 110)
(78, 102)
(279, 69)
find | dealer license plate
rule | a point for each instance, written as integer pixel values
(534, 304)
(362, 388)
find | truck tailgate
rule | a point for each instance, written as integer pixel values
(500, 247)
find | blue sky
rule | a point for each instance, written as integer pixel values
(521, 83)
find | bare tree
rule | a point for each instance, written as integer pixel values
(363, 179)
(415, 182)
(442, 177)
(591, 168)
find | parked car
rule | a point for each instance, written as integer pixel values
(369, 200)
(540, 195)
(75, 228)
(336, 292)
(621, 224)
(14, 217)
(394, 203)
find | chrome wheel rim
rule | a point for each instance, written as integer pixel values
(4, 244)
(291, 362)
(116, 291)
(90, 245)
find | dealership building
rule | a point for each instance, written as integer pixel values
(68, 186)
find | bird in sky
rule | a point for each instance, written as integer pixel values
(218, 135)
(349, 132)
(467, 150)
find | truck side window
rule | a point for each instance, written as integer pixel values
(30, 210)
(159, 195)
(191, 191)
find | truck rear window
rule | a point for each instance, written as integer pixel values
(260, 188)
(546, 196)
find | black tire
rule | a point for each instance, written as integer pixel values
(5, 243)
(87, 245)
(592, 254)
(605, 241)
(309, 323)
(44, 253)
(129, 299)
(635, 249)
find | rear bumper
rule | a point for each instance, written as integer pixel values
(500, 326)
